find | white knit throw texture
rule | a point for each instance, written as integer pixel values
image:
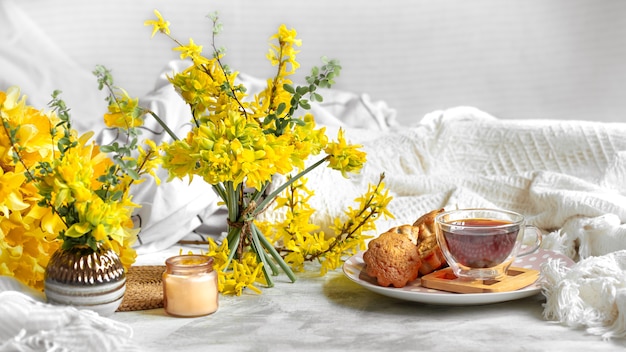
(30, 325)
(567, 177)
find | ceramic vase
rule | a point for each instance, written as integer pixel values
(86, 279)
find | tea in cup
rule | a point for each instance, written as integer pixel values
(483, 243)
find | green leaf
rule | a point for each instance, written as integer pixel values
(317, 97)
(281, 108)
(302, 90)
(133, 174)
(106, 148)
(288, 88)
(305, 104)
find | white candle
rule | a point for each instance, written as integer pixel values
(190, 286)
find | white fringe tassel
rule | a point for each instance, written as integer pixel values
(591, 294)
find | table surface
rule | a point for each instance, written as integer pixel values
(332, 313)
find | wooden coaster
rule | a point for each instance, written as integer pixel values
(144, 288)
(445, 280)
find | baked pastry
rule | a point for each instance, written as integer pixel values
(393, 257)
(430, 254)
(403, 253)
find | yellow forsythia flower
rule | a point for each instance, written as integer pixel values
(160, 25)
(344, 157)
(124, 112)
(190, 50)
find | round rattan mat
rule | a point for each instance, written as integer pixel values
(144, 288)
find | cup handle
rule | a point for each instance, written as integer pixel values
(537, 243)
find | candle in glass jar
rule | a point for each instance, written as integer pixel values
(190, 286)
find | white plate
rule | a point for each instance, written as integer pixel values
(415, 292)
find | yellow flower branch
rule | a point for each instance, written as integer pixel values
(238, 145)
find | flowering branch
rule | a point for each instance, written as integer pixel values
(238, 145)
(368, 211)
(296, 237)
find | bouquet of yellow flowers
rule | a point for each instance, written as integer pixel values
(238, 145)
(63, 190)
(26, 244)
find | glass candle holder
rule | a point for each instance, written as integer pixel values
(190, 286)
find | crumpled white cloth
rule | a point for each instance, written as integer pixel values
(30, 325)
(591, 294)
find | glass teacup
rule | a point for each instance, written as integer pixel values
(482, 244)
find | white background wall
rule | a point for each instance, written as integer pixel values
(561, 59)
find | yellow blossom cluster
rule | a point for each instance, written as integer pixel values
(233, 140)
(124, 112)
(229, 150)
(245, 273)
(25, 244)
(60, 189)
(72, 186)
(238, 144)
(229, 142)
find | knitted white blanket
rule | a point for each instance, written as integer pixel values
(567, 177)
(29, 325)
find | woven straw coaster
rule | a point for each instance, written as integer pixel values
(144, 288)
